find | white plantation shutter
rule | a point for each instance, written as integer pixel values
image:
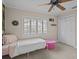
(39, 26)
(44, 26)
(26, 26)
(32, 26)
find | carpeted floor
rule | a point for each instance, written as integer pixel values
(61, 52)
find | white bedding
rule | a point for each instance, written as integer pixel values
(5, 49)
(26, 46)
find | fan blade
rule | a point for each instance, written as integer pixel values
(74, 7)
(50, 8)
(61, 7)
(61, 1)
(44, 4)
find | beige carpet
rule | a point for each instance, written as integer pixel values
(61, 52)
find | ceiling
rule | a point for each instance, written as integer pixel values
(32, 5)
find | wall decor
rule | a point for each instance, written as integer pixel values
(15, 22)
(50, 19)
(53, 24)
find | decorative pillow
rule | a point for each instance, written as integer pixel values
(9, 38)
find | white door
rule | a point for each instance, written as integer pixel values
(68, 30)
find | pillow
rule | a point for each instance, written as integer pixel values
(9, 38)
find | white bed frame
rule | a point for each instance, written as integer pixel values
(28, 45)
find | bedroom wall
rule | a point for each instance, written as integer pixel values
(15, 14)
(67, 28)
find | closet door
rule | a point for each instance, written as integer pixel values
(68, 30)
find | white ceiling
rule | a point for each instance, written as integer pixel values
(32, 5)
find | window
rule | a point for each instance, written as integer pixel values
(34, 26)
(44, 26)
(26, 26)
(40, 26)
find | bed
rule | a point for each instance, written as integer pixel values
(26, 46)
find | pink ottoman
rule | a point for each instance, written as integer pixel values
(50, 44)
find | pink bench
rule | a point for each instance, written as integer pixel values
(50, 44)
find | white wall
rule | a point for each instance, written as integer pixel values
(15, 14)
(67, 28)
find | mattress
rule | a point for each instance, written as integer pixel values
(30, 41)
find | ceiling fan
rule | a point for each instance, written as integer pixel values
(55, 3)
